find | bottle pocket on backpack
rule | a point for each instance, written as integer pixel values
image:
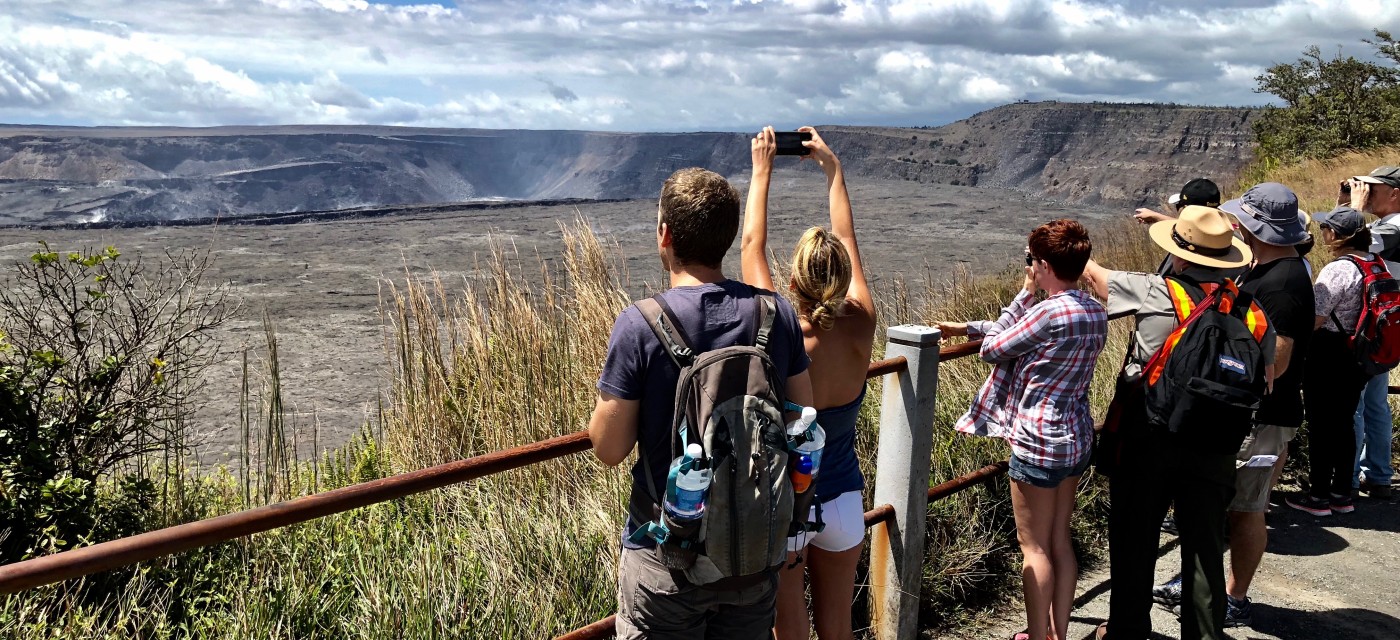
(683, 543)
(1211, 416)
(801, 511)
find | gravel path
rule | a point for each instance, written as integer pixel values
(1330, 578)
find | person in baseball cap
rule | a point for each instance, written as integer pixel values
(1377, 193)
(1388, 176)
(1200, 192)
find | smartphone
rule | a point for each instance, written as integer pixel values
(790, 142)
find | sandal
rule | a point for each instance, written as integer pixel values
(1101, 632)
(1021, 636)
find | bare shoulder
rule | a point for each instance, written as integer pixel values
(857, 310)
(857, 327)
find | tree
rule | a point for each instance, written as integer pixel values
(98, 357)
(1331, 104)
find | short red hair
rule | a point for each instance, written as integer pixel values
(1064, 245)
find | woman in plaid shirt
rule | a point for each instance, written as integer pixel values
(1037, 398)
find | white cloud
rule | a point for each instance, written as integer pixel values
(642, 65)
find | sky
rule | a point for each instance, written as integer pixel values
(641, 65)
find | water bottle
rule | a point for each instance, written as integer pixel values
(801, 473)
(807, 438)
(692, 483)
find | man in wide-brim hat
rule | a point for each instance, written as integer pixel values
(1280, 281)
(1149, 468)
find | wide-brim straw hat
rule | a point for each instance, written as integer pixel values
(1203, 236)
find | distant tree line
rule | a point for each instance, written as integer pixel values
(1331, 104)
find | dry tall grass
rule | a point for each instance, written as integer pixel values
(1315, 181)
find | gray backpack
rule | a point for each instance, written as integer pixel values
(730, 401)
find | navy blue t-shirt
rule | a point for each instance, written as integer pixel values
(712, 316)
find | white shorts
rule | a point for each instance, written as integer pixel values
(844, 517)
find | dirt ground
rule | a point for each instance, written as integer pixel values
(1328, 578)
(320, 282)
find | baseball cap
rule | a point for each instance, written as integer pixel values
(1388, 176)
(1344, 220)
(1199, 192)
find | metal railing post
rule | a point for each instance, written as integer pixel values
(906, 444)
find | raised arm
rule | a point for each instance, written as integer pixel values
(1097, 278)
(842, 222)
(753, 246)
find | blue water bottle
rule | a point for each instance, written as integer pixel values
(690, 484)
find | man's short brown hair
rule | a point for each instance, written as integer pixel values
(1064, 245)
(702, 211)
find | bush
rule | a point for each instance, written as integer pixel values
(97, 358)
(1332, 104)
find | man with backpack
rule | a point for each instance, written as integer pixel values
(1378, 194)
(709, 362)
(1198, 364)
(1273, 227)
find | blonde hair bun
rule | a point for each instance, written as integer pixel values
(821, 275)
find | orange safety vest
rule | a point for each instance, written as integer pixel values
(1184, 305)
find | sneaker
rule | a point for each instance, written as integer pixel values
(1169, 594)
(1341, 504)
(1310, 504)
(1238, 613)
(1376, 491)
(1169, 525)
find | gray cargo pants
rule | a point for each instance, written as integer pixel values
(651, 604)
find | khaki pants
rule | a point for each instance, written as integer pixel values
(655, 604)
(1254, 478)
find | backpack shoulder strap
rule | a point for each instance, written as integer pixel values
(1248, 309)
(1185, 294)
(663, 323)
(1152, 371)
(766, 307)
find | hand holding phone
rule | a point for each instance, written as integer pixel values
(763, 149)
(790, 143)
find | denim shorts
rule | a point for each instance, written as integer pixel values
(1022, 471)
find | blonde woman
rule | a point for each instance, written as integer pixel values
(838, 329)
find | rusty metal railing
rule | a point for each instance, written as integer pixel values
(171, 540)
(607, 627)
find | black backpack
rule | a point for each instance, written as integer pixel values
(1207, 379)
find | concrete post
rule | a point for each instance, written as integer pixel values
(902, 476)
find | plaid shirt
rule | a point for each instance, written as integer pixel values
(1038, 394)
